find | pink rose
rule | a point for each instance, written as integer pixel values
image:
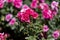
(19, 14)
(2, 3)
(12, 22)
(8, 17)
(54, 12)
(55, 34)
(43, 6)
(24, 8)
(34, 4)
(47, 14)
(25, 13)
(17, 3)
(23, 17)
(34, 14)
(45, 28)
(54, 4)
(2, 36)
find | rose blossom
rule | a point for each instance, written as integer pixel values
(47, 14)
(54, 4)
(19, 15)
(2, 3)
(32, 13)
(2, 36)
(54, 12)
(17, 3)
(43, 6)
(12, 22)
(24, 8)
(45, 28)
(25, 13)
(23, 17)
(34, 4)
(55, 34)
(8, 17)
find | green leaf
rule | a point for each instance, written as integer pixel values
(31, 38)
(21, 28)
(51, 39)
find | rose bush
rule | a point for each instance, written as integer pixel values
(29, 20)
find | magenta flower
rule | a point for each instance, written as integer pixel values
(54, 4)
(23, 17)
(54, 12)
(19, 15)
(8, 17)
(34, 4)
(17, 3)
(43, 6)
(47, 14)
(24, 8)
(45, 28)
(55, 34)
(34, 14)
(2, 36)
(25, 13)
(2, 3)
(12, 22)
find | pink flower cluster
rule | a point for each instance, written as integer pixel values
(9, 19)
(46, 11)
(25, 13)
(16, 3)
(55, 34)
